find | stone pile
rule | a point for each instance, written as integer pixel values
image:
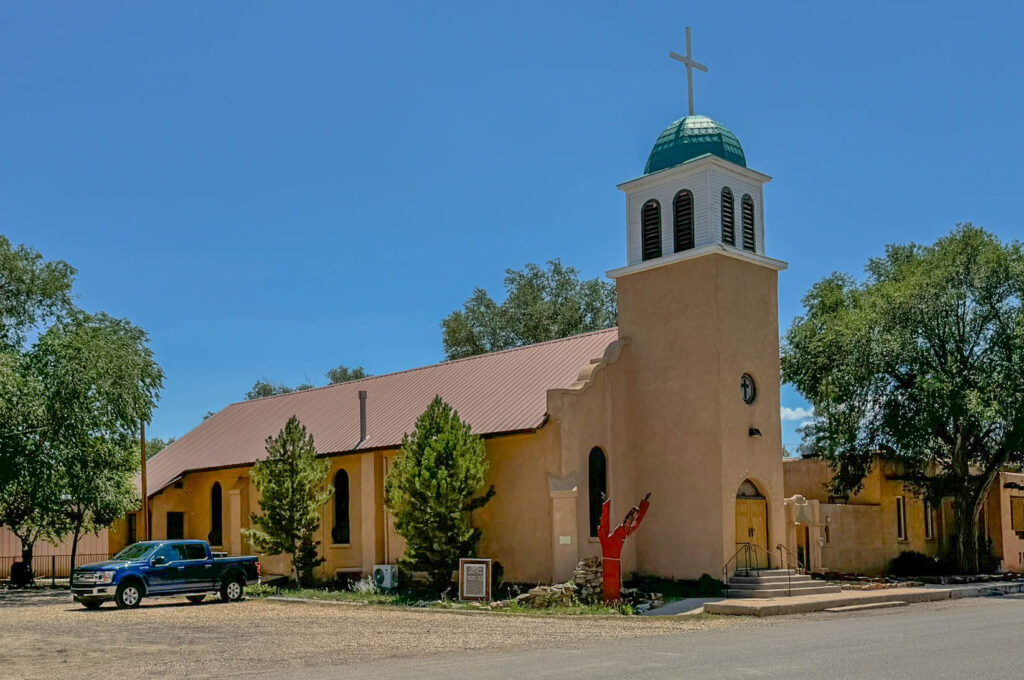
(588, 579)
(542, 597)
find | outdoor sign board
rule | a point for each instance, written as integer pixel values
(474, 579)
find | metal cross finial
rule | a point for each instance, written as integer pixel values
(690, 65)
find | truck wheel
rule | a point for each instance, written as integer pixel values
(231, 590)
(195, 599)
(92, 604)
(128, 595)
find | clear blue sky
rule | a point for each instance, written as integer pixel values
(274, 189)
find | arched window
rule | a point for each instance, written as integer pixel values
(747, 206)
(728, 217)
(682, 214)
(748, 490)
(650, 230)
(340, 534)
(597, 486)
(216, 536)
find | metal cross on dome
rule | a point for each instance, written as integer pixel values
(690, 64)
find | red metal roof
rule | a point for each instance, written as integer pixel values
(498, 392)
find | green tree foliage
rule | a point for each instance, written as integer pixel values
(292, 485)
(155, 445)
(32, 291)
(540, 304)
(341, 374)
(266, 388)
(70, 404)
(923, 362)
(431, 492)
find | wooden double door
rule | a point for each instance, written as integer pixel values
(752, 528)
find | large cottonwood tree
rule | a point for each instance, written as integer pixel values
(924, 362)
(73, 389)
(540, 304)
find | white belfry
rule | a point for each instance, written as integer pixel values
(690, 65)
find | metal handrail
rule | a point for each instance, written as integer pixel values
(799, 566)
(744, 547)
(747, 549)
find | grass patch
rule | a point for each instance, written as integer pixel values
(416, 598)
(328, 595)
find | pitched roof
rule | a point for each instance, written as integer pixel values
(496, 393)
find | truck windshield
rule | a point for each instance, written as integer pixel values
(134, 552)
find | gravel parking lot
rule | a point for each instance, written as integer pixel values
(44, 635)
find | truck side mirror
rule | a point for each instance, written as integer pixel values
(158, 560)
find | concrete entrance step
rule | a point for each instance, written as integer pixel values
(765, 593)
(794, 578)
(795, 585)
(863, 607)
(765, 572)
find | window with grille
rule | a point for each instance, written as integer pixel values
(901, 518)
(929, 521)
(728, 217)
(748, 223)
(650, 222)
(682, 215)
(175, 525)
(1017, 513)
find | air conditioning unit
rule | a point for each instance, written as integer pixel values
(385, 576)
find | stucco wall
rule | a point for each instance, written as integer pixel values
(694, 327)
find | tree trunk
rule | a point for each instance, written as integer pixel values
(965, 528)
(74, 547)
(27, 548)
(295, 568)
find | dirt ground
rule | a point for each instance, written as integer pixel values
(45, 635)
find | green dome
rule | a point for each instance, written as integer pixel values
(690, 138)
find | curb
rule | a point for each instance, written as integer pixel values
(782, 605)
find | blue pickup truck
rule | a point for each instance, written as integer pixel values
(160, 569)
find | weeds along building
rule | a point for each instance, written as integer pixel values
(681, 400)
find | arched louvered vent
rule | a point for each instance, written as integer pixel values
(650, 220)
(682, 208)
(728, 217)
(747, 206)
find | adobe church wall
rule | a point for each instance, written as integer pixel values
(516, 523)
(853, 544)
(593, 414)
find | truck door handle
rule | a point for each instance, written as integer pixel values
(181, 568)
(208, 566)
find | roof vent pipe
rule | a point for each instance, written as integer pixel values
(362, 417)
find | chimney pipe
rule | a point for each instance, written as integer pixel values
(362, 417)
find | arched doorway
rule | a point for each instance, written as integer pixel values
(752, 525)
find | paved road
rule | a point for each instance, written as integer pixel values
(963, 639)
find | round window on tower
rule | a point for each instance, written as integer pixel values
(748, 389)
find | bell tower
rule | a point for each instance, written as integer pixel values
(698, 314)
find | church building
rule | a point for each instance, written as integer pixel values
(681, 400)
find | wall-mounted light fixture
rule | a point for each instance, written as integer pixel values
(754, 432)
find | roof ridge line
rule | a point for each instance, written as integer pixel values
(426, 366)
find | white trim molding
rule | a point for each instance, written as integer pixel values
(694, 253)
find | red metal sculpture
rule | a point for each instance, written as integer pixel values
(611, 544)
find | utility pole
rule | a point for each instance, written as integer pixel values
(145, 491)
